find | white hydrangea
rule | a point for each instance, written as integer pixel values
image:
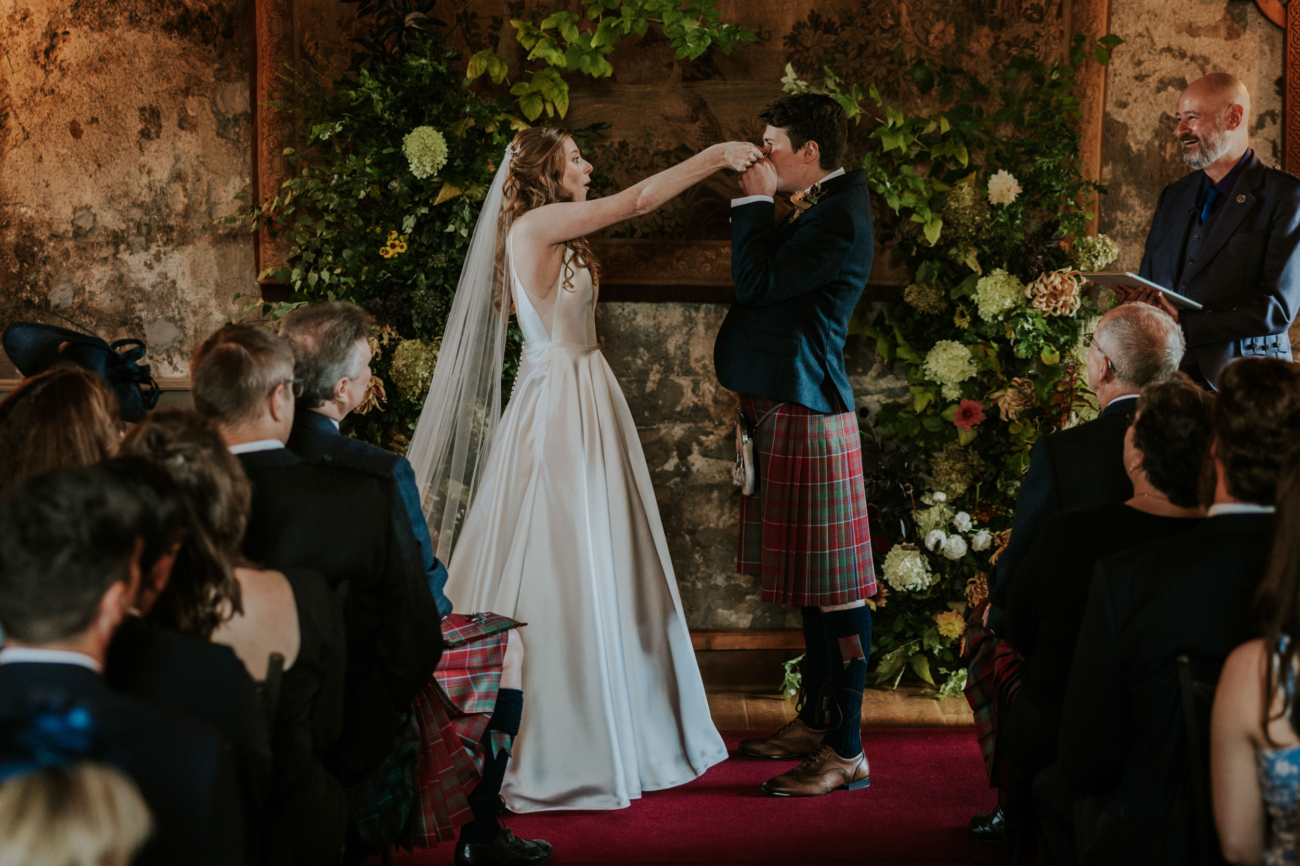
(906, 570)
(949, 364)
(997, 293)
(981, 541)
(954, 547)
(939, 496)
(935, 539)
(1003, 188)
(426, 150)
(963, 521)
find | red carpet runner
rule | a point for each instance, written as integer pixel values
(925, 785)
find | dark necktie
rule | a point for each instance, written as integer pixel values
(1211, 196)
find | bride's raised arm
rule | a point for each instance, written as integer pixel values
(563, 221)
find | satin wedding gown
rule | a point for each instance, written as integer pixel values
(564, 534)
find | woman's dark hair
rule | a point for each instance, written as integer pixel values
(1277, 601)
(215, 499)
(809, 117)
(1172, 430)
(1256, 416)
(59, 419)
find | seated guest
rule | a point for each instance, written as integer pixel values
(69, 561)
(332, 356)
(73, 814)
(183, 673)
(339, 522)
(215, 595)
(1163, 452)
(1254, 744)
(62, 417)
(1119, 792)
(1132, 347)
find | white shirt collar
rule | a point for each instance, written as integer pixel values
(37, 655)
(836, 173)
(1239, 508)
(1117, 399)
(259, 445)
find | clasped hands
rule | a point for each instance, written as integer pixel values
(758, 176)
(1143, 295)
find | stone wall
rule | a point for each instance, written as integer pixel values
(124, 130)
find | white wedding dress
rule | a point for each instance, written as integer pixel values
(564, 534)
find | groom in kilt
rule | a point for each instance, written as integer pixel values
(781, 348)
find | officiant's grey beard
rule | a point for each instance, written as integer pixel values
(1209, 148)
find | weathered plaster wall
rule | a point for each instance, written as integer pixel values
(124, 130)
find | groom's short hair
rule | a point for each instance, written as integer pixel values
(809, 117)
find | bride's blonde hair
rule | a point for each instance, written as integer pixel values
(536, 172)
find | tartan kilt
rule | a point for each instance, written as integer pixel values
(804, 533)
(991, 687)
(420, 796)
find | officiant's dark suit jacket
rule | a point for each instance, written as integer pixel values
(796, 287)
(351, 527)
(1071, 469)
(1122, 736)
(316, 438)
(1241, 264)
(182, 769)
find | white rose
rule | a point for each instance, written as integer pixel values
(981, 540)
(935, 539)
(963, 522)
(940, 496)
(954, 547)
(1003, 188)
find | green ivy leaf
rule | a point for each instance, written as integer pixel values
(921, 666)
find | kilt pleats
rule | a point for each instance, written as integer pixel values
(804, 533)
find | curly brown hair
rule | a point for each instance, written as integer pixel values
(1172, 430)
(216, 497)
(1256, 416)
(536, 172)
(62, 418)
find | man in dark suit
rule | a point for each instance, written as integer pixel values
(1134, 345)
(338, 521)
(1120, 793)
(69, 563)
(781, 348)
(332, 356)
(1225, 235)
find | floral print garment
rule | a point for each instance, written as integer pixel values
(1279, 780)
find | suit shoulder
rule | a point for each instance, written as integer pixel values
(1278, 175)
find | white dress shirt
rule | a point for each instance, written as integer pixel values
(749, 199)
(259, 445)
(25, 654)
(1239, 508)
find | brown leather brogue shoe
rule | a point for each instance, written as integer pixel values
(820, 773)
(793, 740)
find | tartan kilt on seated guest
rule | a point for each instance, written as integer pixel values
(804, 532)
(991, 687)
(419, 797)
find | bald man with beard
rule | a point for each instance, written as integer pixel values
(1225, 236)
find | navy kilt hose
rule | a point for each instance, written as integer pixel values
(420, 796)
(804, 533)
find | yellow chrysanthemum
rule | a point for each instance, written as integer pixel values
(951, 624)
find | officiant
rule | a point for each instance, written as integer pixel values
(1224, 236)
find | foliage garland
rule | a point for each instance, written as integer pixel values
(985, 202)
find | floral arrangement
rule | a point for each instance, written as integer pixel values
(984, 201)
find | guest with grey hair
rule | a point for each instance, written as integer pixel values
(332, 356)
(1133, 346)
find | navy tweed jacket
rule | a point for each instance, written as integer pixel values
(796, 287)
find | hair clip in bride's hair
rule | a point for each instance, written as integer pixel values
(511, 151)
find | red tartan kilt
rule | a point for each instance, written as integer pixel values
(452, 712)
(804, 533)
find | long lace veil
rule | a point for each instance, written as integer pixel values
(453, 437)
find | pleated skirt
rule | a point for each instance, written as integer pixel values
(804, 533)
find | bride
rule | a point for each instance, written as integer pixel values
(547, 514)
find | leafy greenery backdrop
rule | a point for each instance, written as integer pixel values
(995, 281)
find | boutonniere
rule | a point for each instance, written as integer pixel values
(805, 199)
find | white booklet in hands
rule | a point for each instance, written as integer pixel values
(1133, 281)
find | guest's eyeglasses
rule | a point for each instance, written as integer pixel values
(295, 386)
(1110, 365)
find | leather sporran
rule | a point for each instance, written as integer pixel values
(744, 472)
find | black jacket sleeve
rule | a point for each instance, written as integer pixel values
(1038, 498)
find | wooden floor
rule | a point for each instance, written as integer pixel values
(881, 708)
